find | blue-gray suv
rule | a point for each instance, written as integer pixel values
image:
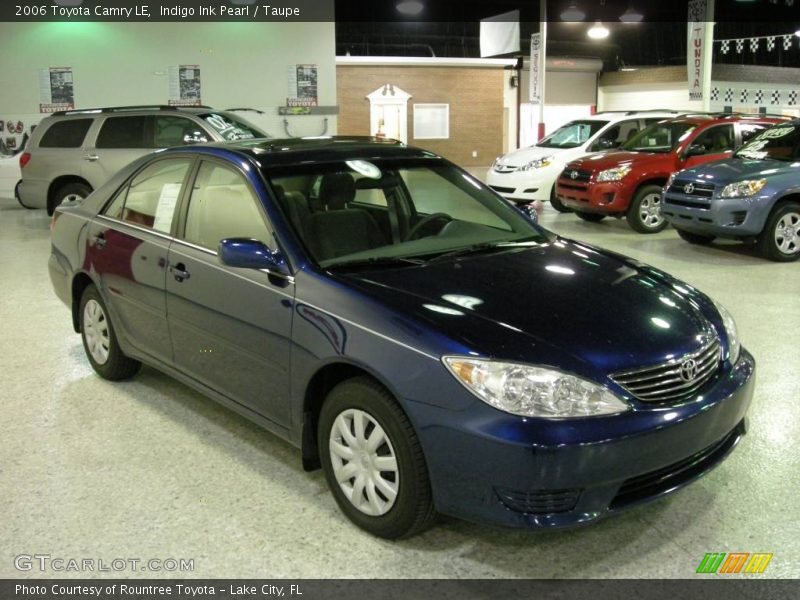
(753, 196)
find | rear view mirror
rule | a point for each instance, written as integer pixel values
(696, 150)
(245, 253)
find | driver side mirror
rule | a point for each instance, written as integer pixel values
(530, 211)
(606, 143)
(695, 150)
(194, 138)
(243, 253)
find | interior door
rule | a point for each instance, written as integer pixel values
(230, 327)
(127, 249)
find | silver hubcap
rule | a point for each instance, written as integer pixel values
(95, 330)
(787, 233)
(650, 210)
(364, 462)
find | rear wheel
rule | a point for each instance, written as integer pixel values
(556, 203)
(373, 461)
(696, 238)
(780, 240)
(591, 217)
(100, 341)
(68, 193)
(644, 214)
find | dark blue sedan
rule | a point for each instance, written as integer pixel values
(410, 331)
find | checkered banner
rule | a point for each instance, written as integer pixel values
(753, 43)
(755, 97)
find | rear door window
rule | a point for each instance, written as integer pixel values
(124, 132)
(749, 130)
(716, 140)
(150, 198)
(68, 133)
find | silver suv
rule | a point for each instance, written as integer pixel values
(74, 152)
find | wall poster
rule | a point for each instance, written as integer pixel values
(56, 90)
(302, 86)
(184, 85)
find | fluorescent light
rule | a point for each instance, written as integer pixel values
(598, 31)
(410, 7)
(573, 13)
(797, 33)
(631, 15)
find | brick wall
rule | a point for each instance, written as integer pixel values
(475, 96)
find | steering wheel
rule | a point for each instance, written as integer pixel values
(413, 234)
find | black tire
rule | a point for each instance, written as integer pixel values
(556, 203)
(117, 366)
(590, 217)
(644, 197)
(75, 190)
(696, 238)
(412, 510)
(19, 199)
(786, 214)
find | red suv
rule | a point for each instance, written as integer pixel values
(629, 181)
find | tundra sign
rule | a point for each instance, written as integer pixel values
(698, 15)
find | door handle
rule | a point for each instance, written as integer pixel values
(91, 157)
(179, 272)
(100, 240)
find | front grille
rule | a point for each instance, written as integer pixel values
(699, 204)
(677, 474)
(539, 501)
(502, 190)
(576, 175)
(671, 381)
(700, 189)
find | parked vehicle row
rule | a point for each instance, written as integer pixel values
(386, 313)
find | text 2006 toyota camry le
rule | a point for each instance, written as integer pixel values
(406, 328)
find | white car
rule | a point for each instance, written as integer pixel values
(530, 174)
(10, 175)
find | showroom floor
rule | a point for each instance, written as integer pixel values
(151, 469)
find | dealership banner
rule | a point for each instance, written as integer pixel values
(536, 69)
(697, 18)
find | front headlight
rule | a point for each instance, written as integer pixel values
(743, 189)
(734, 345)
(614, 174)
(669, 181)
(533, 391)
(538, 163)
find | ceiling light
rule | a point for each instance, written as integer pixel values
(797, 33)
(410, 7)
(573, 13)
(631, 15)
(598, 31)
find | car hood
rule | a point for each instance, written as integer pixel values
(524, 155)
(736, 169)
(609, 160)
(557, 302)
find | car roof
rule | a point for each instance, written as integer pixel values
(83, 112)
(292, 151)
(718, 118)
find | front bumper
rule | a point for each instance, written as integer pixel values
(611, 197)
(522, 186)
(495, 468)
(731, 217)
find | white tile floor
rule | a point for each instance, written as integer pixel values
(151, 469)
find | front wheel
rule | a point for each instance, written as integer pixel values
(780, 240)
(644, 214)
(100, 341)
(591, 217)
(556, 203)
(373, 461)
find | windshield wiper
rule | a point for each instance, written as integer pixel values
(376, 261)
(478, 248)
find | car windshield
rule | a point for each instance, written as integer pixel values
(231, 128)
(660, 137)
(383, 212)
(573, 134)
(778, 143)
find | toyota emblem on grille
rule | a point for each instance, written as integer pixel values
(574, 175)
(689, 369)
(688, 188)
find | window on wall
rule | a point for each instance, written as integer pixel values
(432, 121)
